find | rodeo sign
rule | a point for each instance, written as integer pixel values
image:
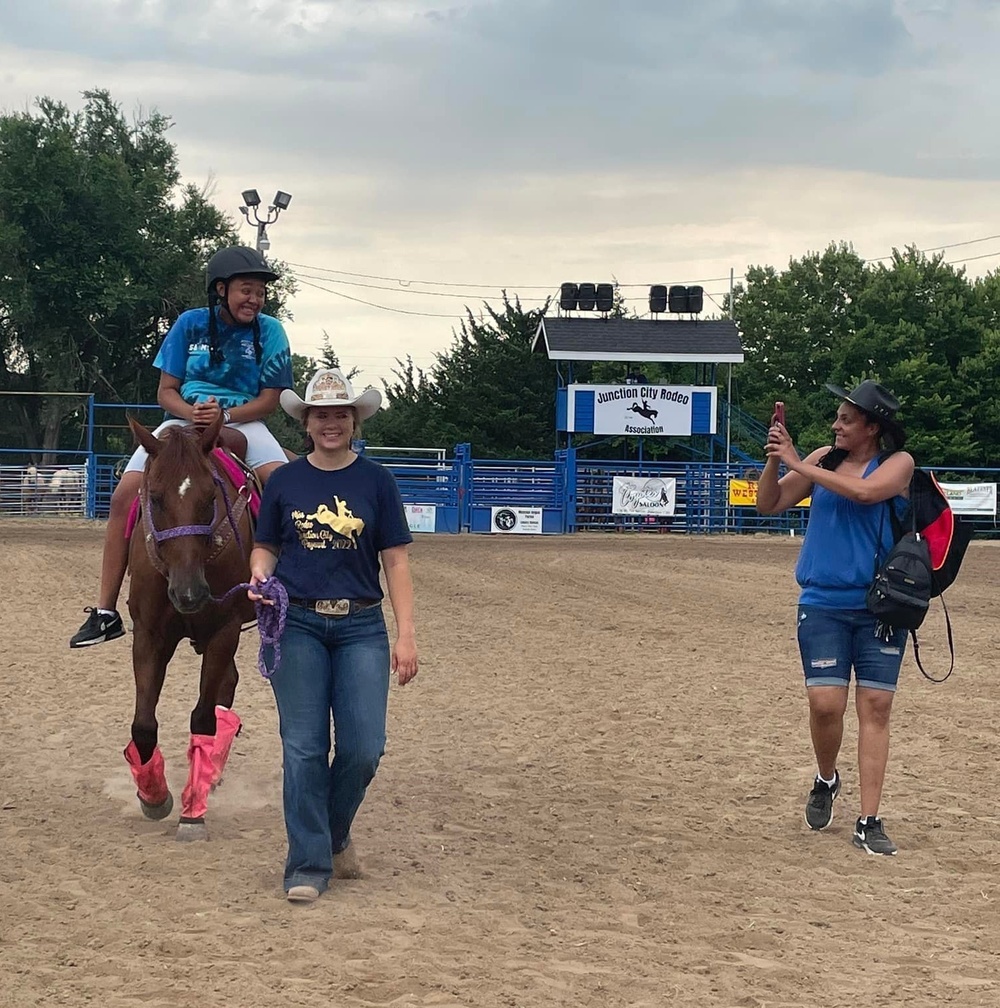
(641, 410)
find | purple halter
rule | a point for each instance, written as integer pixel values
(185, 530)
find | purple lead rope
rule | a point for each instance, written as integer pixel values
(270, 618)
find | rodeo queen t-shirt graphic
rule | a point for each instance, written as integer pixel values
(328, 528)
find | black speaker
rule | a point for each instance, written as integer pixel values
(587, 297)
(568, 293)
(605, 297)
(677, 298)
(657, 298)
(695, 299)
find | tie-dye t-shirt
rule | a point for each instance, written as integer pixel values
(238, 379)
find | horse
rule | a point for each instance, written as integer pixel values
(645, 409)
(67, 491)
(187, 559)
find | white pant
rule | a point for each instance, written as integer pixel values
(262, 448)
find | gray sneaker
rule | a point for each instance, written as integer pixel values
(98, 628)
(819, 807)
(869, 835)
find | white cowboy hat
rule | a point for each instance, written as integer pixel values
(331, 387)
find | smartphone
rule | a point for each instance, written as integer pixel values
(779, 414)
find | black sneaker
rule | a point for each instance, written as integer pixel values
(819, 808)
(100, 627)
(869, 835)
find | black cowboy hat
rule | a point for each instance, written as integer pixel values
(874, 399)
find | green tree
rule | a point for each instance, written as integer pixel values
(914, 323)
(101, 247)
(489, 389)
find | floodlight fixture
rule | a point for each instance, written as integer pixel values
(657, 299)
(568, 294)
(695, 299)
(257, 217)
(605, 297)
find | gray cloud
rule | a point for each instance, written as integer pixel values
(565, 86)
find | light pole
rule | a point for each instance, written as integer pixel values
(251, 211)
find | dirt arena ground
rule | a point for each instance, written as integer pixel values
(592, 796)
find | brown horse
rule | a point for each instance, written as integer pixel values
(191, 549)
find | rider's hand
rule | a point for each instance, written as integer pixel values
(205, 413)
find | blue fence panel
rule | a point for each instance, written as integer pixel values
(701, 500)
(532, 495)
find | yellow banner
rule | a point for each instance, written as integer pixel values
(743, 493)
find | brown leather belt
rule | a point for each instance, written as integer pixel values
(335, 606)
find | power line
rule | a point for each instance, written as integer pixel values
(372, 304)
(403, 282)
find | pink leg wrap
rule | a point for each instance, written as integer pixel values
(227, 727)
(150, 778)
(194, 800)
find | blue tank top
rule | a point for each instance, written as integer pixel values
(837, 559)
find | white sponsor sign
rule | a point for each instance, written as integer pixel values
(643, 410)
(516, 519)
(640, 495)
(971, 498)
(420, 517)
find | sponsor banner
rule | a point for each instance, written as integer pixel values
(971, 498)
(638, 495)
(516, 519)
(643, 410)
(420, 517)
(743, 493)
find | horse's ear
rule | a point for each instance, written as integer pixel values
(210, 434)
(145, 436)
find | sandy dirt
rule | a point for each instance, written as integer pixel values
(593, 796)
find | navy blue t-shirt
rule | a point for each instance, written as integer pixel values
(329, 527)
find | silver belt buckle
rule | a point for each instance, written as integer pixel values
(333, 606)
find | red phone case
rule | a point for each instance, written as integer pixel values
(779, 414)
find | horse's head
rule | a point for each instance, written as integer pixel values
(178, 497)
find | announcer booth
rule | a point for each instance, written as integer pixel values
(636, 408)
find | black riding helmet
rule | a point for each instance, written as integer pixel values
(225, 266)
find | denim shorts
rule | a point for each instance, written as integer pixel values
(833, 641)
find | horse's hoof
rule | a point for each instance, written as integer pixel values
(160, 811)
(189, 832)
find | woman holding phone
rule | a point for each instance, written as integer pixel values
(852, 484)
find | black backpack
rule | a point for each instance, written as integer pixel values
(922, 564)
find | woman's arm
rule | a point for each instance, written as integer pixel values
(396, 564)
(891, 478)
(776, 495)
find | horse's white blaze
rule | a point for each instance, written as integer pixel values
(184, 487)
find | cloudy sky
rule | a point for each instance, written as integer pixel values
(440, 150)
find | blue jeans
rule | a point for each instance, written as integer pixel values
(337, 666)
(833, 641)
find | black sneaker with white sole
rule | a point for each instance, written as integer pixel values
(98, 628)
(869, 835)
(819, 807)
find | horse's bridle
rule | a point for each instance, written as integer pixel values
(154, 536)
